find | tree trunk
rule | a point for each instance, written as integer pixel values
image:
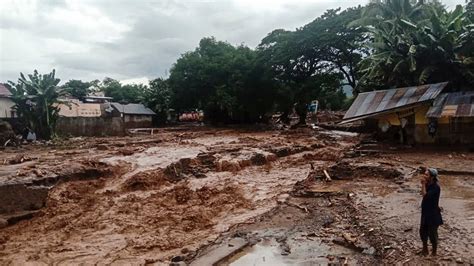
(301, 111)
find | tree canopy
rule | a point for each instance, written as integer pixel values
(222, 80)
(77, 88)
(417, 44)
(128, 93)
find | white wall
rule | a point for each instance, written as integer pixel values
(6, 106)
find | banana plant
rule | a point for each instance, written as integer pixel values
(418, 44)
(36, 98)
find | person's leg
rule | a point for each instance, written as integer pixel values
(433, 235)
(424, 239)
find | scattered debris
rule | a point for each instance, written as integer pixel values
(178, 196)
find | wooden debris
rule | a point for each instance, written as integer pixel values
(328, 178)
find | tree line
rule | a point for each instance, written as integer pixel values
(382, 45)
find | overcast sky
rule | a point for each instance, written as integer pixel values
(136, 39)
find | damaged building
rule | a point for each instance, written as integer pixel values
(420, 114)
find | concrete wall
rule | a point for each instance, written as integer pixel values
(6, 107)
(90, 126)
(76, 108)
(138, 121)
(449, 131)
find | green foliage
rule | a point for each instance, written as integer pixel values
(157, 96)
(77, 88)
(339, 45)
(129, 93)
(417, 44)
(312, 62)
(223, 80)
(36, 102)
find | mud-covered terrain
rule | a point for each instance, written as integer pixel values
(197, 195)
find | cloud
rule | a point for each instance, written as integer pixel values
(92, 39)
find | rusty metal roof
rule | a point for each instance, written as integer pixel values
(454, 104)
(375, 102)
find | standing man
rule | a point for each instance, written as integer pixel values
(430, 212)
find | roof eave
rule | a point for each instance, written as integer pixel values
(353, 119)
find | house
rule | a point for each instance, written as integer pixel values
(76, 108)
(134, 115)
(453, 116)
(420, 114)
(6, 103)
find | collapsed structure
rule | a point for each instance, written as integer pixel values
(419, 114)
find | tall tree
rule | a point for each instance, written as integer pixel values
(36, 101)
(222, 80)
(77, 88)
(338, 42)
(157, 96)
(130, 93)
(306, 61)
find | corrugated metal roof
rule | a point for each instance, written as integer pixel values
(371, 103)
(4, 91)
(454, 104)
(133, 109)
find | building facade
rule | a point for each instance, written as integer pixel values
(421, 114)
(6, 104)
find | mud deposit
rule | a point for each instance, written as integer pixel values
(205, 196)
(163, 195)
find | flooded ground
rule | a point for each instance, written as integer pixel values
(205, 196)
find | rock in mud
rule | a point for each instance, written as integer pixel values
(3, 223)
(258, 159)
(348, 171)
(102, 147)
(177, 258)
(369, 251)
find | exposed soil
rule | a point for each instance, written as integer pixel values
(182, 194)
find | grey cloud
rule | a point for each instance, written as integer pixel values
(155, 33)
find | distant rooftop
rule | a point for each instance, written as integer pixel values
(133, 109)
(98, 97)
(4, 92)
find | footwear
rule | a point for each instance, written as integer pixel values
(424, 251)
(433, 251)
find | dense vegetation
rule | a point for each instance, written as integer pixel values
(382, 45)
(36, 98)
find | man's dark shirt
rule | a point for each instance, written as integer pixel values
(430, 211)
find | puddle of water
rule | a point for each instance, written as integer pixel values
(303, 252)
(457, 196)
(266, 252)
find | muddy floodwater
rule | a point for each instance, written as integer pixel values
(202, 196)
